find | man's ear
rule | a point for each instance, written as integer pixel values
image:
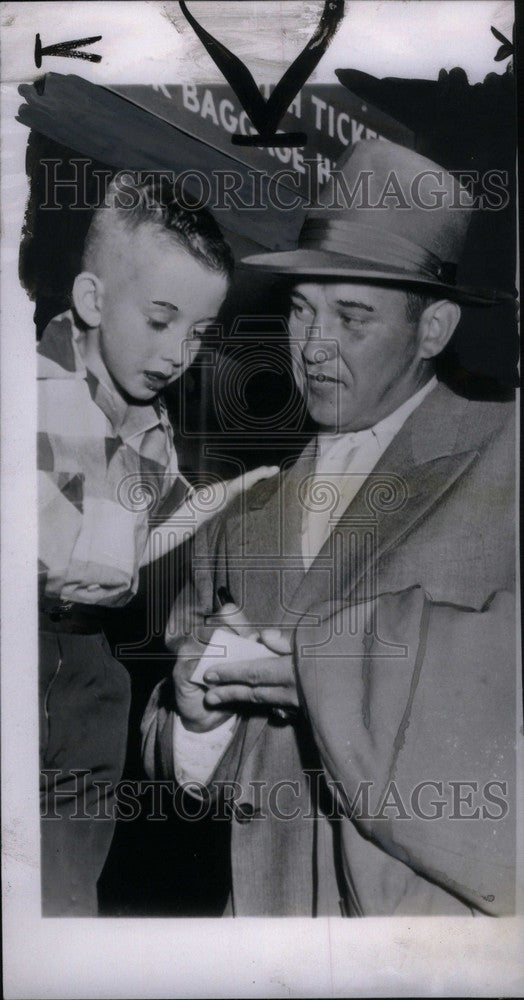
(436, 327)
(88, 292)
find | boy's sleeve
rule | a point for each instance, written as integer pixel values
(59, 524)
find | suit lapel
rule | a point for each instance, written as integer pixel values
(272, 534)
(277, 533)
(388, 507)
(292, 508)
(425, 458)
(431, 451)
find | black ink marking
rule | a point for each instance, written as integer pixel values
(507, 48)
(266, 115)
(68, 50)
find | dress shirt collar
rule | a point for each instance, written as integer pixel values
(382, 433)
(386, 429)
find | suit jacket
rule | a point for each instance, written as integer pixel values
(394, 790)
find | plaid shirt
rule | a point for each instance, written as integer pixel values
(103, 469)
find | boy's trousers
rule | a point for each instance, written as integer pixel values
(84, 706)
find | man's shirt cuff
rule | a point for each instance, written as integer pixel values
(196, 755)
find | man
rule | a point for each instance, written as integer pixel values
(369, 762)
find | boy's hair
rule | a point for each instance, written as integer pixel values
(130, 204)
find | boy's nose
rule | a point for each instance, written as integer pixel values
(176, 350)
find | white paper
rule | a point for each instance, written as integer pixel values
(225, 646)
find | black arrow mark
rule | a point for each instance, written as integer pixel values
(68, 50)
(506, 49)
(266, 115)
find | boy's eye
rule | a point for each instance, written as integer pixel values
(199, 330)
(157, 324)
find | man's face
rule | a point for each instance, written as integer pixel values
(361, 359)
(157, 301)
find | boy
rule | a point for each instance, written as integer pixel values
(154, 275)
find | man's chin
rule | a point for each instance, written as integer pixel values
(327, 421)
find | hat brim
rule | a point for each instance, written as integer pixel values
(323, 263)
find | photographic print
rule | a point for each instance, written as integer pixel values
(261, 676)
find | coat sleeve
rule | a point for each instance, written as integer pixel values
(189, 617)
(157, 733)
(413, 709)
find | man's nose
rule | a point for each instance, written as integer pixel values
(318, 347)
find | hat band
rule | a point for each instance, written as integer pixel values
(382, 249)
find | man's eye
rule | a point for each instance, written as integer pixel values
(300, 311)
(352, 322)
(157, 324)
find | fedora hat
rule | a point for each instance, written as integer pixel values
(387, 215)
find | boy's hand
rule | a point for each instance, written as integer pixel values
(183, 522)
(229, 489)
(248, 479)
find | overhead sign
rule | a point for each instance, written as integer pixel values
(332, 117)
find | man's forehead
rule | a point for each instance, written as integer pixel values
(336, 293)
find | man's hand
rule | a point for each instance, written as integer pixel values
(264, 681)
(257, 681)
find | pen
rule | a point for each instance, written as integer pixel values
(235, 617)
(224, 597)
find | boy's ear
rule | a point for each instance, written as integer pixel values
(88, 292)
(436, 327)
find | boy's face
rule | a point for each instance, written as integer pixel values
(156, 302)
